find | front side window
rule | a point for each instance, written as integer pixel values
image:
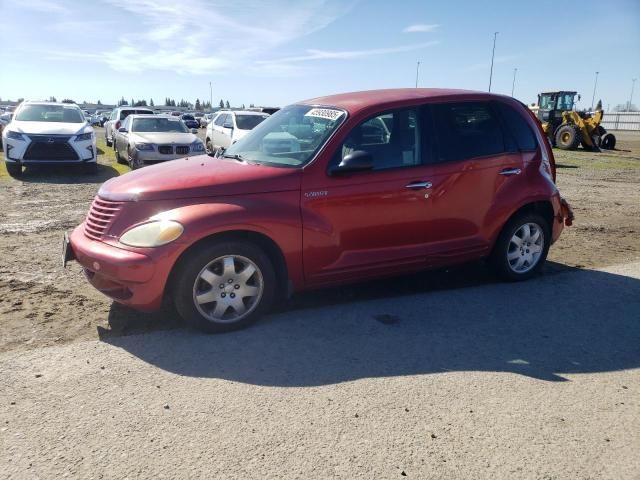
(220, 119)
(465, 130)
(50, 113)
(290, 137)
(392, 139)
(159, 124)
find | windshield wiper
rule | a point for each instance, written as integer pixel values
(233, 156)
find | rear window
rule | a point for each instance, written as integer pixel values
(466, 130)
(517, 127)
(247, 122)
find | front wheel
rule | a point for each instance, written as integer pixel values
(220, 286)
(522, 247)
(608, 141)
(14, 170)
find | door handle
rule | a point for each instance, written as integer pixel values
(419, 185)
(507, 172)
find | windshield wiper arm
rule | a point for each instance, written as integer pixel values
(233, 156)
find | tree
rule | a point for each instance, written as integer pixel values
(228, 105)
(121, 102)
(52, 99)
(66, 100)
(132, 102)
(221, 103)
(251, 105)
(151, 104)
(99, 102)
(243, 106)
(599, 105)
(625, 107)
(198, 106)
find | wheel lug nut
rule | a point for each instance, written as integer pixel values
(222, 285)
(223, 294)
(232, 295)
(236, 287)
(230, 280)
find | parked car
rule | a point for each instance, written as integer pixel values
(104, 118)
(324, 192)
(143, 140)
(116, 118)
(205, 119)
(5, 119)
(230, 126)
(176, 114)
(190, 121)
(48, 133)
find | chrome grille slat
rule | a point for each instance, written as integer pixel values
(100, 217)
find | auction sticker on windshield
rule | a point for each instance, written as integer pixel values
(326, 113)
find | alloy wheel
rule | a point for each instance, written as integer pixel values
(228, 289)
(525, 248)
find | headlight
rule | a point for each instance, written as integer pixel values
(152, 234)
(197, 147)
(15, 135)
(84, 137)
(144, 146)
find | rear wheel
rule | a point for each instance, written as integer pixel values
(522, 247)
(568, 137)
(14, 170)
(119, 159)
(107, 141)
(608, 141)
(224, 286)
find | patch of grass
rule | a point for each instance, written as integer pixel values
(606, 160)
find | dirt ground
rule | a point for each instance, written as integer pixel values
(43, 304)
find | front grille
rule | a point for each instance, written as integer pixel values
(165, 149)
(100, 217)
(50, 147)
(182, 149)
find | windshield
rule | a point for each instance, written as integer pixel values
(248, 122)
(50, 113)
(290, 137)
(158, 125)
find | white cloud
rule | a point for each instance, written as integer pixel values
(348, 54)
(46, 6)
(420, 28)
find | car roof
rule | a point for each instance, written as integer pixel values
(60, 104)
(243, 112)
(354, 102)
(134, 108)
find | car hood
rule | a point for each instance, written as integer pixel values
(199, 176)
(163, 138)
(50, 128)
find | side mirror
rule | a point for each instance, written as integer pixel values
(194, 131)
(356, 161)
(228, 125)
(123, 130)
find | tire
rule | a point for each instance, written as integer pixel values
(107, 141)
(568, 137)
(132, 161)
(208, 146)
(14, 170)
(608, 141)
(210, 260)
(513, 262)
(119, 159)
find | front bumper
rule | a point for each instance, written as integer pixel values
(127, 277)
(22, 152)
(149, 157)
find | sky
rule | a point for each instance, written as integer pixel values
(276, 52)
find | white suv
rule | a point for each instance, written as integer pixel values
(117, 116)
(43, 133)
(227, 127)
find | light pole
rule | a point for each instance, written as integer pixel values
(513, 85)
(495, 34)
(210, 96)
(633, 84)
(595, 84)
(417, 70)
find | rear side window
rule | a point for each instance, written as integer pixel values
(466, 130)
(517, 127)
(125, 113)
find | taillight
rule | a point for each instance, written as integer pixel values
(118, 125)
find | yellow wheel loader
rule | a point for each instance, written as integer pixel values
(566, 128)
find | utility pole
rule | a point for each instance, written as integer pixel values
(417, 70)
(594, 91)
(493, 53)
(210, 96)
(633, 84)
(513, 85)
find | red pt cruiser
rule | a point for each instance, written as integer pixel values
(327, 191)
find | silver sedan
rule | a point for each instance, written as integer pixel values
(146, 139)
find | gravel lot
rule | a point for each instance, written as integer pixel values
(418, 375)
